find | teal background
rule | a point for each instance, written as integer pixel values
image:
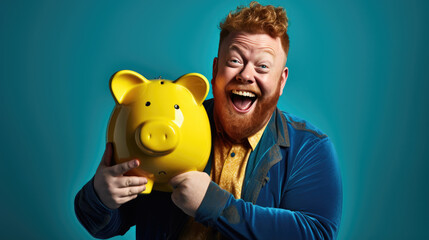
(358, 70)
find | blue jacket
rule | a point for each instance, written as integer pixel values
(292, 190)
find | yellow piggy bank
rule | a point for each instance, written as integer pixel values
(160, 122)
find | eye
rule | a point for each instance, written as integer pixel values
(147, 104)
(234, 62)
(263, 68)
(176, 106)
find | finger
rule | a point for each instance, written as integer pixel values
(106, 161)
(132, 181)
(122, 168)
(127, 199)
(174, 198)
(131, 191)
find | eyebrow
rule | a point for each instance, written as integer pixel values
(237, 47)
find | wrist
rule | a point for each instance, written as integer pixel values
(95, 197)
(213, 204)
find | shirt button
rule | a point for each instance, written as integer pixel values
(233, 154)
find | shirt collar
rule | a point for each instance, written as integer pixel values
(254, 139)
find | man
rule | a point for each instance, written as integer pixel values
(272, 175)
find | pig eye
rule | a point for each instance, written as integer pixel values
(162, 82)
(147, 104)
(176, 106)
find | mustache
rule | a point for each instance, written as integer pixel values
(243, 87)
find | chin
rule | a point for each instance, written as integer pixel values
(239, 124)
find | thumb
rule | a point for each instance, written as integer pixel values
(106, 161)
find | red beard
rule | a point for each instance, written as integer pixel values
(237, 127)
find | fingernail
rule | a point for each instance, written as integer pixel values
(136, 163)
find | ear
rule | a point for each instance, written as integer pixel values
(283, 79)
(197, 84)
(214, 73)
(122, 82)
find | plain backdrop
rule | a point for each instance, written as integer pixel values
(358, 71)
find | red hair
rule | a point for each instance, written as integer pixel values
(257, 19)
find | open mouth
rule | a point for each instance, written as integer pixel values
(242, 100)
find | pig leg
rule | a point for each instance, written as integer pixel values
(149, 186)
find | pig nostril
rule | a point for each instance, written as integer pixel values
(157, 137)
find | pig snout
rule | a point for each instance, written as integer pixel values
(157, 137)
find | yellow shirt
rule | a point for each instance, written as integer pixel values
(228, 169)
(230, 161)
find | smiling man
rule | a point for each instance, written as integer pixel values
(270, 175)
(248, 79)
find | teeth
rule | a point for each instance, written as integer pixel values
(243, 93)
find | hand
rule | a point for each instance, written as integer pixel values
(189, 190)
(110, 184)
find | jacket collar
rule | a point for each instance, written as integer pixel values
(282, 131)
(269, 152)
(276, 131)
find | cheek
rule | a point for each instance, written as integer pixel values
(218, 89)
(265, 87)
(228, 73)
(220, 82)
(270, 85)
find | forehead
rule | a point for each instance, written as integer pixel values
(252, 42)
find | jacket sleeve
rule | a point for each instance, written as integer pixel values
(99, 220)
(309, 201)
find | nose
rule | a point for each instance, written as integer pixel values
(157, 137)
(246, 75)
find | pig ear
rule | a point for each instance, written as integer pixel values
(122, 82)
(197, 84)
